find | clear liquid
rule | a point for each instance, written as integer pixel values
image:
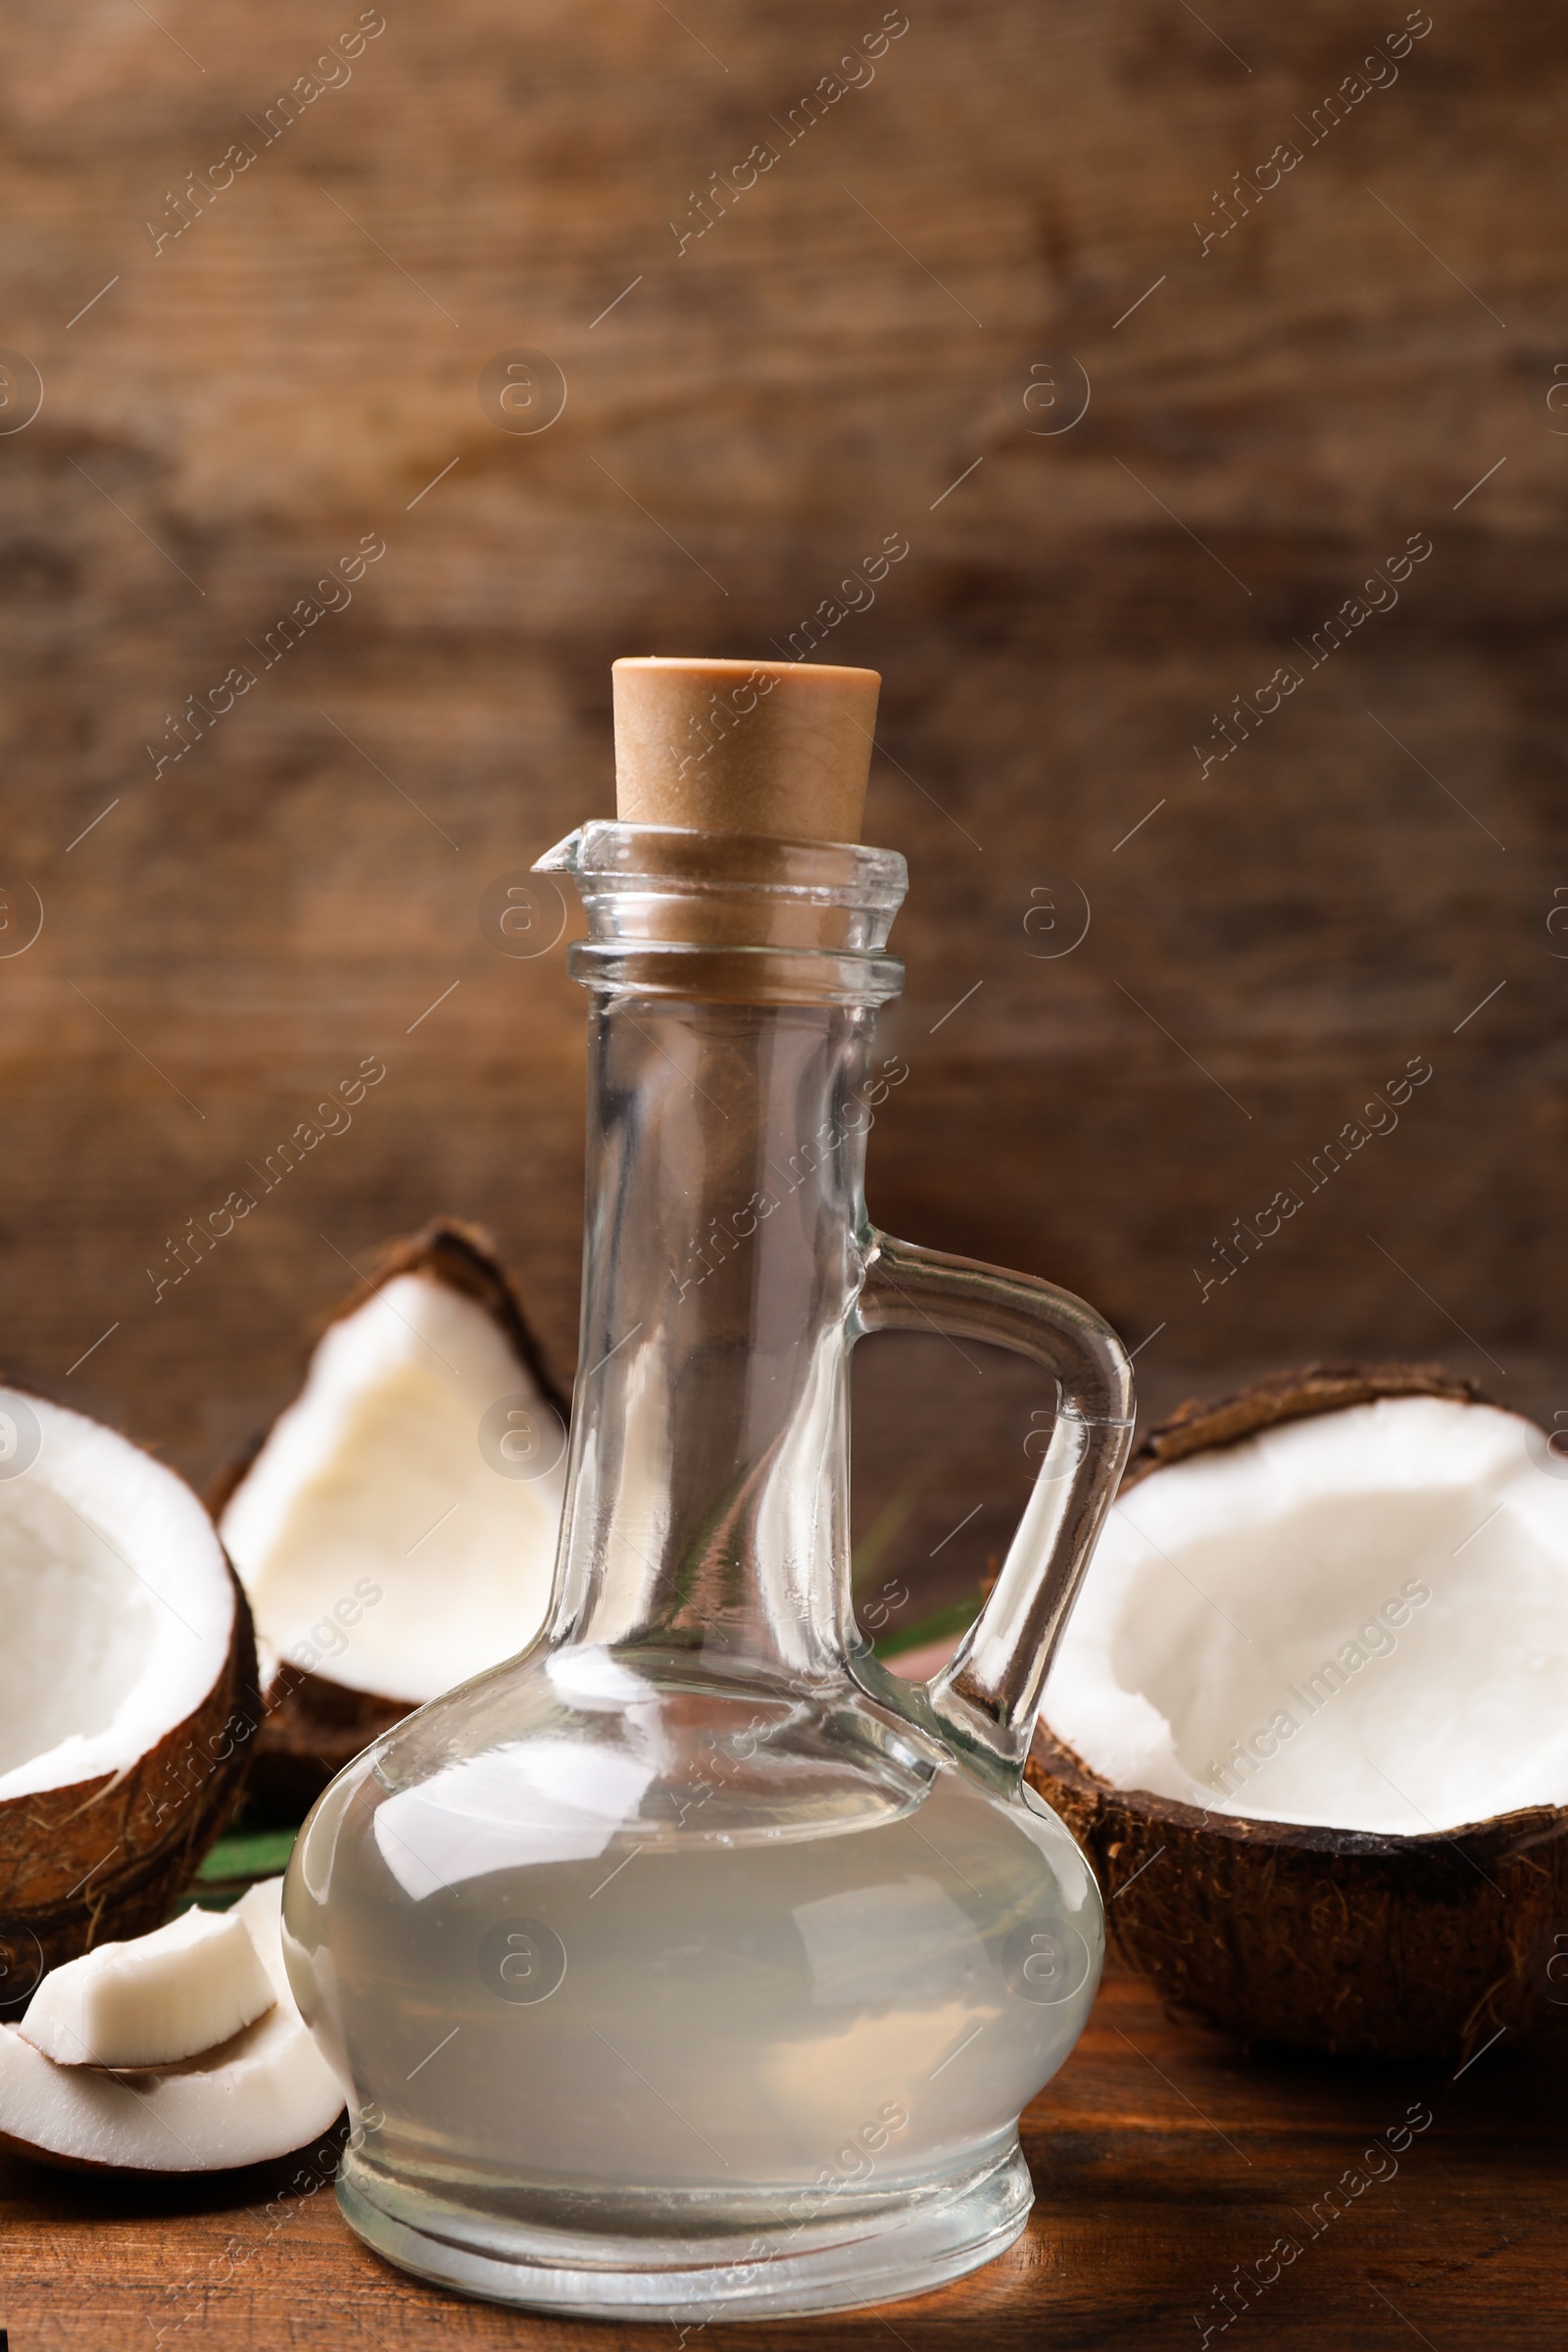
(825, 1983)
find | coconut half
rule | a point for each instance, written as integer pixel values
(396, 1529)
(128, 1688)
(264, 2092)
(1310, 1713)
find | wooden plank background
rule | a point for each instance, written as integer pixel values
(843, 355)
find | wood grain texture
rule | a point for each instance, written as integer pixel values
(754, 415)
(1166, 2162)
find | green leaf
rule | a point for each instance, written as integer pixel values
(261, 1854)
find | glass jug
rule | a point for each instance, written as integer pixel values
(693, 1964)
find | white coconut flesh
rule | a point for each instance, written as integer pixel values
(153, 1999)
(1357, 1621)
(380, 1543)
(115, 1596)
(265, 2093)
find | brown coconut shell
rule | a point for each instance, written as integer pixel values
(1324, 1939)
(103, 1859)
(313, 1726)
(310, 1729)
(1199, 1427)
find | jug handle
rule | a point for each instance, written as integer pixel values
(985, 1698)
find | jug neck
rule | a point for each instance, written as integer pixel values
(706, 1508)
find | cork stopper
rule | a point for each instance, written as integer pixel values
(777, 747)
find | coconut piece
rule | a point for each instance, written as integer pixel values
(1309, 1718)
(396, 1529)
(128, 1688)
(262, 2093)
(181, 1990)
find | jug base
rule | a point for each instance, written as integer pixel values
(939, 2235)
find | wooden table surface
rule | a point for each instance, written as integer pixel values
(1168, 2162)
